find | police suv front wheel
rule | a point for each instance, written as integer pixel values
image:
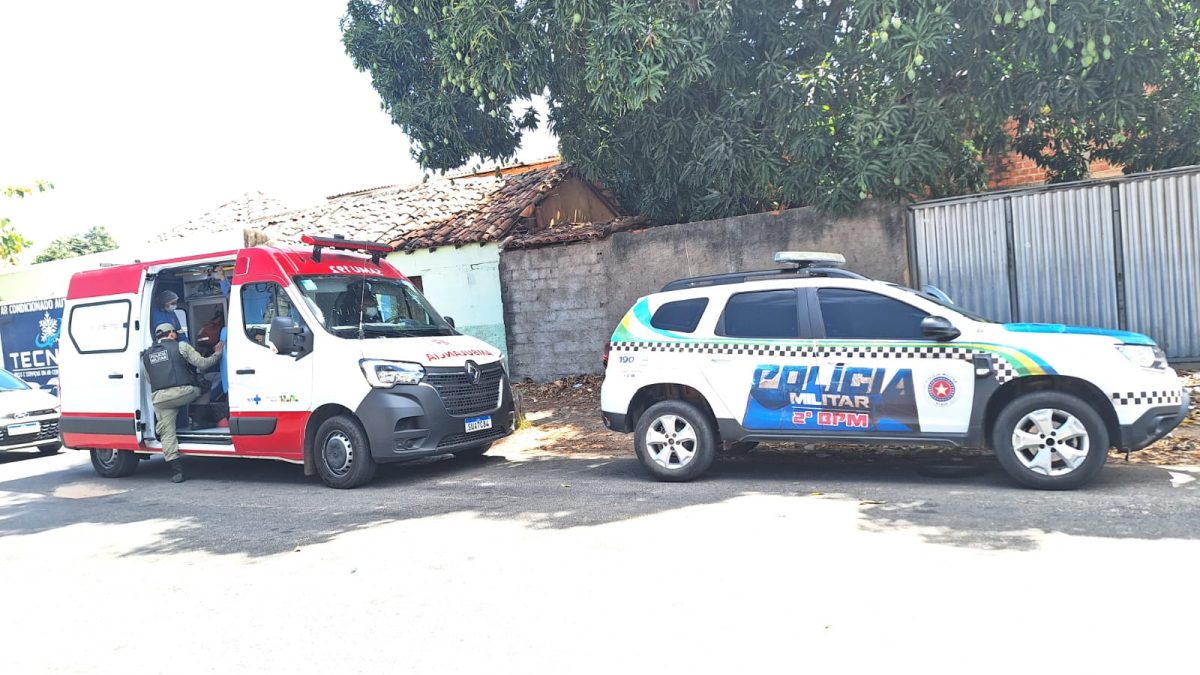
(675, 441)
(342, 453)
(1050, 441)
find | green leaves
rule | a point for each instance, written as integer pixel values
(697, 109)
(95, 240)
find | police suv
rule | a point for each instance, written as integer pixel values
(817, 352)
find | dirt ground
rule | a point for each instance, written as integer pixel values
(563, 417)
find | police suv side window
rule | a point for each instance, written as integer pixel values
(260, 303)
(681, 316)
(862, 315)
(762, 314)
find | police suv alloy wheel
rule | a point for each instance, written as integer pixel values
(342, 453)
(675, 441)
(113, 463)
(1050, 440)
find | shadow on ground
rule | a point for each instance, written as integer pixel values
(235, 506)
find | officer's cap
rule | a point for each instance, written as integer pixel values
(163, 329)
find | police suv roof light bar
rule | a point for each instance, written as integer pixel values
(341, 243)
(806, 259)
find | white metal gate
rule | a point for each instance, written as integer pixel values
(1121, 253)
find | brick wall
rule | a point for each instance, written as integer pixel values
(1016, 170)
(561, 303)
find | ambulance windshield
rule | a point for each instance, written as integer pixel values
(370, 307)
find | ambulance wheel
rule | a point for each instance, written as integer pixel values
(675, 441)
(1050, 441)
(342, 453)
(473, 453)
(50, 449)
(114, 463)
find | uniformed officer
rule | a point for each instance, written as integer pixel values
(168, 367)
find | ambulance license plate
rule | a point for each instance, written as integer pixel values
(479, 423)
(34, 427)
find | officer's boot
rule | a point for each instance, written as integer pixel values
(176, 466)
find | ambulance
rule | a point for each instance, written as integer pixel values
(333, 359)
(815, 352)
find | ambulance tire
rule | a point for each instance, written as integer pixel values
(1020, 413)
(473, 453)
(113, 463)
(342, 453)
(689, 426)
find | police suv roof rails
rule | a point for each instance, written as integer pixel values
(805, 264)
(340, 242)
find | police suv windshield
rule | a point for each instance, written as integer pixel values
(369, 307)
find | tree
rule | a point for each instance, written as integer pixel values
(95, 240)
(11, 241)
(705, 108)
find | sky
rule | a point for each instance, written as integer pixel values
(145, 114)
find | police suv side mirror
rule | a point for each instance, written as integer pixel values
(939, 328)
(289, 338)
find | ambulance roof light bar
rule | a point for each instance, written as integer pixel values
(341, 243)
(806, 259)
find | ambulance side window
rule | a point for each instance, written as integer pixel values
(262, 302)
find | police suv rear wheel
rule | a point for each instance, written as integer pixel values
(113, 463)
(342, 453)
(1050, 441)
(675, 441)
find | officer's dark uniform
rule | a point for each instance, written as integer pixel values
(168, 366)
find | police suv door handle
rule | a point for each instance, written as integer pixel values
(115, 376)
(245, 371)
(721, 359)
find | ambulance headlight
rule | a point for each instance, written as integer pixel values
(1144, 356)
(384, 374)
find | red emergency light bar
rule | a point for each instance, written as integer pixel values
(341, 243)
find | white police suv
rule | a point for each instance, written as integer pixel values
(816, 352)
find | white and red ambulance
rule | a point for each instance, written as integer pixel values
(333, 359)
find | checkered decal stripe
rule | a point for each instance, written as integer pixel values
(1004, 370)
(1168, 397)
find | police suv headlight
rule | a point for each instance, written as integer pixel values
(384, 374)
(1144, 356)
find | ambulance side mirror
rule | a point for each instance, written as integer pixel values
(450, 320)
(939, 328)
(289, 338)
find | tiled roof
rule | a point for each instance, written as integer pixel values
(232, 215)
(427, 215)
(566, 233)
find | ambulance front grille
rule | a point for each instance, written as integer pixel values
(463, 398)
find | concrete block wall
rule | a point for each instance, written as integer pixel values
(561, 303)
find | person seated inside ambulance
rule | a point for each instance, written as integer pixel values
(210, 333)
(356, 303)
(169, 366)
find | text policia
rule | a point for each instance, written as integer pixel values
(831, 399)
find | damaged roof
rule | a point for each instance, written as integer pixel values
(448, 212)
(232, 215)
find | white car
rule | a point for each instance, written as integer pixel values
(816, 352)
(28, 416)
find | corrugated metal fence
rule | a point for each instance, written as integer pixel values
(1121, 253)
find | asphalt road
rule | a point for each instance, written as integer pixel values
(535, 564)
